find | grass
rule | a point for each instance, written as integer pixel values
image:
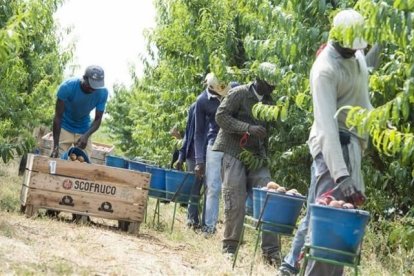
(101, 136)
(201, 254)
(10, 185)
(6, 229)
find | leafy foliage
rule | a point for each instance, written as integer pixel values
(231, 38)
(31, 66)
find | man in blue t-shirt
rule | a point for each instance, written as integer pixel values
(76, 98)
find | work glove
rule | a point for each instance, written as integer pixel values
(257, 131)
(199, 170)
(55, 153)
(346, 186)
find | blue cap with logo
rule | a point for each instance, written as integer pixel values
(96, 76)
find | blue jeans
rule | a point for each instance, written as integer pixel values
(192, 210)
(298, 242)
(213, 184)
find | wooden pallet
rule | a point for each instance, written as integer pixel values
(85, 189)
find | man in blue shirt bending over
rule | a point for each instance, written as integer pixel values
(76, 98)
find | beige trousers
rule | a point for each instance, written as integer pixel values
(68, 139)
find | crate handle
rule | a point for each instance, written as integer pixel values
(106, 207)
(67, 200)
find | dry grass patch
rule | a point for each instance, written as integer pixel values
(41, 245)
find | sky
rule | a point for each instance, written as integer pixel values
(108, 33)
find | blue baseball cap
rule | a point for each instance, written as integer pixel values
(95, 75)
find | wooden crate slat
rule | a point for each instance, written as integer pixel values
(70, 185)
(92, 172)
(99, 150)
(23, 194)
(97, 161)
(85, 205)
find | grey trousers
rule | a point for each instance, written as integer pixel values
(324, 182)
(237, 180)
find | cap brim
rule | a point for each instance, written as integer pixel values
(96, 84)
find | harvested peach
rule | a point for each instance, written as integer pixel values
(281, 190)
(342, 202)
(73, 157)
(348, 206)
(272, 185)
(292, 192)
(322, 201)
(335, 204)
(81, 159)
(329, 199)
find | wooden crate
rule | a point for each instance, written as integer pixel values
(85, 189)
(99, 150)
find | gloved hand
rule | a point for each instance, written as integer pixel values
(179, 165)
(257, 131)
(55, 153)
(199, 170)
(348, 189)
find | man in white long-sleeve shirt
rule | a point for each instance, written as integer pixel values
(338, 78)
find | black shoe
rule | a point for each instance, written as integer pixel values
(287, 270)
(273, 259)
(193, 225)
(208, 231)
(229, 249)
(229, 255)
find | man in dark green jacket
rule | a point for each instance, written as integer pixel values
(234, 116)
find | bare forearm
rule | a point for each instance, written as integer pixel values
(94, 127)
(56, 131)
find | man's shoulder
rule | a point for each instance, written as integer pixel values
(202, 96)
(202, 99)
(239, 90)
(68, 88)
(325, 64)
(103, 91)
(71, 81)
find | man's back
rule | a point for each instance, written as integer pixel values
(79, 104)
(234, 116)
(206, 128)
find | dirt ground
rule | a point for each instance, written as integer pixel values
(42, 245)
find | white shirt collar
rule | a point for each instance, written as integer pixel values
(210, 95)
(259, 97)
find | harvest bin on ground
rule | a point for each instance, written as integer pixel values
(85, 189)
